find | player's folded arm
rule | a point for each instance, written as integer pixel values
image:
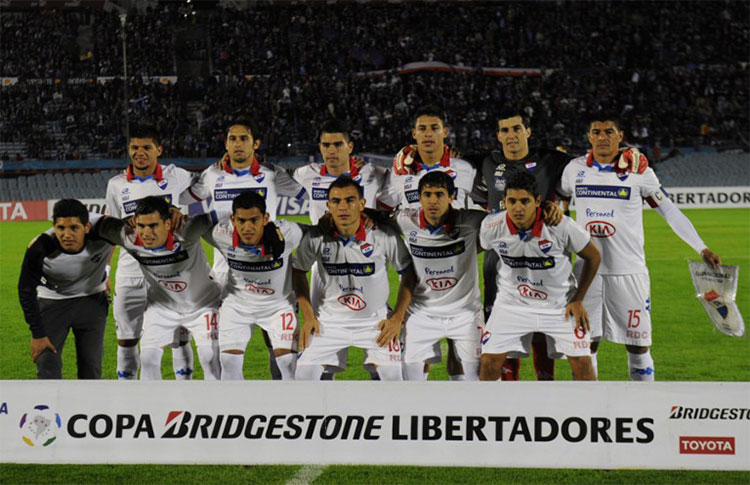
(31, 277)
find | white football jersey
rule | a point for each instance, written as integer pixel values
(534, 268)
(316, 180)
(222, 184)
(610, 206)
(354, 272)
(177, 274)
(256, 281)
(445, 261)
(125, 190)
(403, 190)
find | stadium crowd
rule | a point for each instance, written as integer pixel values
(677, 73)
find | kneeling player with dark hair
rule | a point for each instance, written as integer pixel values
(63, 287)
(534, 283)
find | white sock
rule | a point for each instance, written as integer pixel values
(595, 365)
(414, 372)
(457, 377)
(151, 363)
(128, 362)
(641, 366)
(308, 372)
(287, 364)
(231, 366)
(471, 371)
(210, 363)
(182, 362)
(390, 373)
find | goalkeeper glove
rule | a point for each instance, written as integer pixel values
(404, 160)
(632, 161)
(273, 241)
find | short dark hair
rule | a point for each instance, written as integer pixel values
(248, 123)
(70, 208)
(437, 179)
(151, 204)
(511, 112)
(428, 110)
(335, 126)
(343, 182)
(603, 116)
(523, 180)
(249, 199)
(145, 131)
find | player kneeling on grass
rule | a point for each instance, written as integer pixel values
(181, 294)
(446, 304)
(534, 283)
(353, 310)
(62, 287)
(259, 284)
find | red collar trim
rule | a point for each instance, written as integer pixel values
(169, 244)
(536, 229)
(449, 220)
(360, 235)
(254, 167)
(590, 159)
(445, 160)
(158, 174)
(353, 170)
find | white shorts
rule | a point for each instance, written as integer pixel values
(422, 335)
(324, 348)
(619, 308)
(510, 330)
(237, 327)
(161, 327)
(129, 306)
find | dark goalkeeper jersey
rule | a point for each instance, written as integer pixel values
(545, 165)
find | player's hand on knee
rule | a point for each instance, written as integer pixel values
(310, 326)
(402, 162)
(579, 314)
(390, 329)
(711, 258)
(553, 213)
(39, 345)
(632, 160)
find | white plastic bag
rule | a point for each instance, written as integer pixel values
(716, 289)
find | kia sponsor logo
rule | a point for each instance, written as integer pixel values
(353, 302)
(260, 290)
(600, 229)
(731, 414)
(706, 445)
(441, 284)
(175, 286)
(528, 292)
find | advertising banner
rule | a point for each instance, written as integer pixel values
(35, 210)
(700, 426)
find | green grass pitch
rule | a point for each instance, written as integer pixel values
(685, 348)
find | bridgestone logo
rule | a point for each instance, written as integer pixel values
(603, 192)
(706, 445)
(259, 267)
(354, 269)
(531, 263)
(429, 252)
(732, 414)
(162, 260)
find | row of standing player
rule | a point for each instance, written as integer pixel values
(225, 180)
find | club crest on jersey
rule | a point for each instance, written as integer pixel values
(545, 245)
(622, 176)
(162, 184)
(358, 179)
(452, 174)
(366, 249)
(530, 166)
(260, 177)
